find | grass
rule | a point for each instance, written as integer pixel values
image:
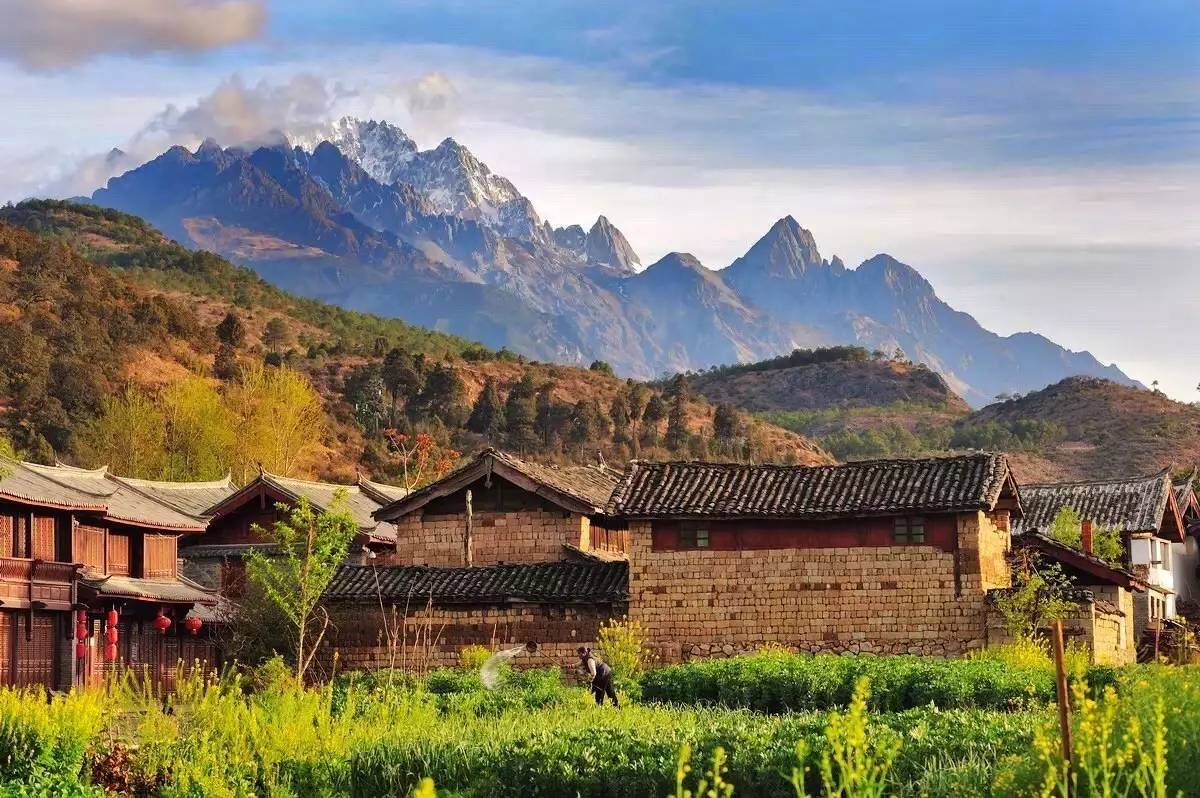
(535, 736)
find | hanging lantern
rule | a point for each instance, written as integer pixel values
(81, 631)
(112, 618)
(110, 651)
(162, 623)
(193, 625)
(80, 650)
(110, 635)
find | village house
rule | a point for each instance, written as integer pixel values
(496, 553)
(1146, 513)
(1104, 594)
(234, 516)
(885, 556)
(711, 559)
(88, 578)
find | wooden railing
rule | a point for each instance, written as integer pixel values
(19, 569)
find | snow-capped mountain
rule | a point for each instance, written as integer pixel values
(363, 218)
(453, 181)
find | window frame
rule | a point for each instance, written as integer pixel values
(909, 530)
(695, 537)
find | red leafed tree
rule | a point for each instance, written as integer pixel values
(422, 459)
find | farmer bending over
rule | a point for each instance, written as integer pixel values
(601, 676)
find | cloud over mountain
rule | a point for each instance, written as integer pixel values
(53, 34)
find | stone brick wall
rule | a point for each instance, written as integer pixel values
(919, 599)
(1109, 636)
(430, 637)
(522, 536)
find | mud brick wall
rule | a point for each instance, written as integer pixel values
(1109, 636)
(920, 599)
(431, 637)
(522, 536)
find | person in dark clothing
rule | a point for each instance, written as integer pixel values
(601, 676)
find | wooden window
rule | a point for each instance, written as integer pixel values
(692, 536)
(118, 554)
(909, 530)
(89, 546)
(43, 538)
(7, 538)
(21, 536)
(158, 556)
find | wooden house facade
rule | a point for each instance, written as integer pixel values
(89, 579)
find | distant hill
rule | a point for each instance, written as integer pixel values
(358, 216)
(94, 299)
(837, 377)
(858, 405)
(1108, 430)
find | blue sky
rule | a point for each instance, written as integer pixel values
(1036, 161)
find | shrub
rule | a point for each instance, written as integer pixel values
(775, 682)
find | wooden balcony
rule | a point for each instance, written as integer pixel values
(40, 584)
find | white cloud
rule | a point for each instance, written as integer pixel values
(51, 34)
(433, 105)
(235, 113)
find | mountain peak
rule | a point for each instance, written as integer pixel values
(786, 251)
(380, 148)
(605, 245)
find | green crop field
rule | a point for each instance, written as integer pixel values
(774, 724)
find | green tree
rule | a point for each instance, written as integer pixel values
(586, 423)
(231, 331)
(520, 414)
(726, 422)
(677, 432)
(602, 367)
(129, 436)
(549, 419)
(310, 547)
(276, 335)
(652, 416)
(1041, 594)
(619, 415)
(443, 397)
(200, 433)
(1067, 528)
(487, 416)
(363, 390)
(403, 378)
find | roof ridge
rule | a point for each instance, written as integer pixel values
(1107, 481)
(797, 466)
(135, 482)
(280, 478)
(36, 468)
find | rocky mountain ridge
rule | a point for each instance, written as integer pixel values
(366, 219)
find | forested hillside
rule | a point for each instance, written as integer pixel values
(118, 345)
(859, 404)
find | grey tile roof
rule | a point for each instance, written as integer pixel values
(94, 490)
(174, 591)
(1135, 504)
(877, 487)
(1188, 503)
(192, 498)
(551, 582)
(582, 488)
(360, 500)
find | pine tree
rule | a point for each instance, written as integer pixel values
(275, 335)
(618, 413)
(547, 422)
(404, 379)
(726, 423)
(677, 433)
(443, 397)
(231, 330)
(652, 416)
(487, 416)
(520, 413)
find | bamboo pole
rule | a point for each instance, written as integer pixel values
(1064, 706)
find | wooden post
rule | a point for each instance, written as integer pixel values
(469, 533)
(1064, 707)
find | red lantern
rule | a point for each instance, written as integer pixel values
(110, 635)
(112, 618)
(81, 631)
(80, 650)
(110, 651)
(162, 623)
(193, 625)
